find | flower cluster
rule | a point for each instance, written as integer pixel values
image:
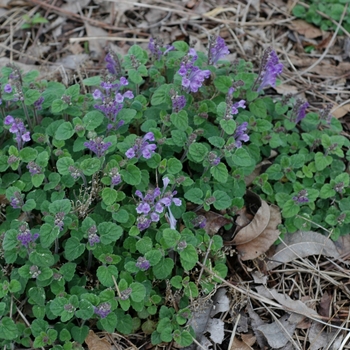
(192, 76)
(153, 204)
(299, 111)
(16, 200)
(93, 238)
(240, 135)
(178, 102)
(25, 236)
(155, 48)
(142, 147)
(200, 221)
(17, 127)
(112, 100)
(115, 177)
(38, 103)
(103, 310)
(112, 63)
(34, 168)
(98, 146)
(270, 68)
(59, 220)
(217, 50)
(301, 197)
(213, 159)
(142, 263)
(232, 108)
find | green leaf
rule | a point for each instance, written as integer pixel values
(144, 245)
(109, 232)
(198, 151)
(258, 108)
(163, 269)
(180, 120)
(109, 195)
(61, 205)
(134, 76)
(73, 248)
(194, 195)
(217, 141)
(10, 241)
(31, 96)
(242, 158)
(174, 166)
(79, 334)
(90, 166)
(138, 291)
(222, 200)
(8, 329)
(327, 191)
(48, 234)
(93, 81)
(153, 256)
(121, 216)
(37, 296)
(58, 106)
(181, 46)
(86, 310)
(170, 238)
(223, 83)
(219, 172)
(93, 119)
(29, 205)
(41, 258)
(188, 257)
(105, 273)
(161, 95)
(131, 175)
(229, 126)
(28, 154)
(65, 131)
(63, 165)
(109, 323)
(290, 209)
(37, 179)
(322, 161)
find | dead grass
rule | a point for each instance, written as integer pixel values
(74, 43)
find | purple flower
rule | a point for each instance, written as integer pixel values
(93, 238)
(142, 263)
(17, 127)
(97, 94)
(59, 220)
(192, 76)
(143, 222)
(213, 159)
(98, 146)
(269, 69)
(38, 103)
(8, 88)
(235, 106)
(200, 221)
(217, 50)
(111, 64)
(115, 177)
(240, 135)
(103, 310)
(9, 120)
(142, 147)
(155, 48)
(299, 111)
(301, 197)
(179, 102)
(34, 168)
(16, 200)
(123, 81)
(25, 236)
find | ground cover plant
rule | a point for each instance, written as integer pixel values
(109, 188)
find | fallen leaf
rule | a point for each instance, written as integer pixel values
(325, 308)
(343, 245)
(214, 222)
(300, 245)
(94, 342)
(308, 30)
(221, 303)
(256, 226)
(285, 89)
(249, 339)
(257, 171)
(265, 240)
(288, 304)
(319, 337)
(239, 345)
(278, 333)
(256, 322)
(339, 112)
(215, 327)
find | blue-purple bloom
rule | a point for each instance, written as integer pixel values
(199, 221)
(299, 111)
(17, 127)
(112, 64)
(155, 48)
(25, 236)
(59, 220)
(153, 204)
(34, 168)
(8, 88)
(217, 50)
(192, 76)
(98, 146)
(16, 201)
(142, 147)
(38, 103)
(269, 70)
(142, 263)
(235, 106)
(93, 238)
(103, 310)
(240, 134)
(301, 197)
(179, 102)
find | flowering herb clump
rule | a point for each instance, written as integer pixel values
(109, 190)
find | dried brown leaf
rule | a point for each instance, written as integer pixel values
(265, 240)
(256, 227)
(308, 30)
(249, 339)
(343, 245)
(257, 171)
(278, 333)
(341, 111)
(324, 308)
(214, 222)
(94, 342)
(302, 244)
(256, 322)
(288, 304)
(239, 345)
(319, 337)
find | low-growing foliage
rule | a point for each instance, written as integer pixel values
(104, 195)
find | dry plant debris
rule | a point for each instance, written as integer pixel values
(309, 295)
